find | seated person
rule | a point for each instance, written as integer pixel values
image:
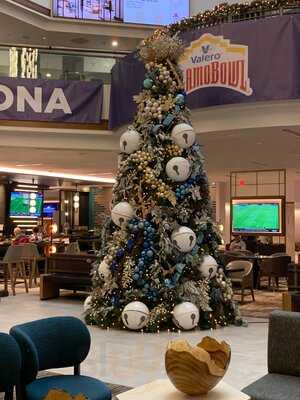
(36, 235)
(237, 244)
(19, 237)
(251, 244)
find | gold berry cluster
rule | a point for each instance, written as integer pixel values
(142, 158)
(173, 150)
(151, 180)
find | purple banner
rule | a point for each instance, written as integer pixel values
(232, 63)
(50, 100)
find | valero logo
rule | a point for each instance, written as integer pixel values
(212, 61)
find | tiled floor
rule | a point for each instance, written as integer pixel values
(132, 359)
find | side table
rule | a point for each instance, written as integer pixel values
(163, 389)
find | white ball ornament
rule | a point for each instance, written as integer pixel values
(87, 303)
(184, 239)
(186, 316)
(183, 135)
(121, 213)
(104, 271)
(135, 315)
(130, 141)
(178, 169)
(209, 267)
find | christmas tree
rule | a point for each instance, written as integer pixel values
(157, 267)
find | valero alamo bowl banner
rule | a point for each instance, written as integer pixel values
(234, 63)
(212, 61)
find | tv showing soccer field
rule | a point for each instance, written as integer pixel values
(26, 204)
(257, 216)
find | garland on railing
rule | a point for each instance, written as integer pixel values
(232, 12)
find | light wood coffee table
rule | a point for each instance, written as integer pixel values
(163, 389)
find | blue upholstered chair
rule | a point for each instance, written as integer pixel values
(55, 343)
(10, 365)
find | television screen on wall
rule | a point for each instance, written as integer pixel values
(155, 12)
(257, 216)
(50, 208)
(151, 12)
(25, 204)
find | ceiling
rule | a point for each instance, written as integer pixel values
(251, 149)
(88, 163)
(19, 32)
(248, 149)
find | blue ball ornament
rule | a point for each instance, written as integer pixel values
(141, 225)
(150, 254)
(120, 253)
(135, 228)
(136, 277)
(180, 99)
(148, 83)
(130, 244)
(114, 266)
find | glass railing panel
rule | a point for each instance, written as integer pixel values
(66, 65)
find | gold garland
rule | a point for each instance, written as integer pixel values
(225, 13)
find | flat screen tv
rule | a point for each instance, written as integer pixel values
(257, 216)
(25, 204)
(49, 209)
(155, 12)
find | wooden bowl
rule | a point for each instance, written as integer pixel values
(197, 370)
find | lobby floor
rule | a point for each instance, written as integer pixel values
(133, 359)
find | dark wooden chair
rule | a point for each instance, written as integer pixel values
(275, 268)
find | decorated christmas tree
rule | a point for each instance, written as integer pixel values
(158, 265)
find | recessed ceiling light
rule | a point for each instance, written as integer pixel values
(20, 165)
(48, 75)
(36, 165)
(259, 143)
(44, 37)
(114, 43)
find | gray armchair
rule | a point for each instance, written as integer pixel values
(283, 380)
(240, 273)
